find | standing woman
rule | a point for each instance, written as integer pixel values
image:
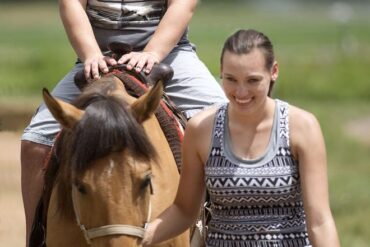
(157, 31)
(262, 161)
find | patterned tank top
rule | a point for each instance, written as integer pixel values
(255, 203)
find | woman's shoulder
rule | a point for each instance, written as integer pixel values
(198, 132)
(203, 118)
(201, 124)
(301, 118)
(298, 117)
(304, 127)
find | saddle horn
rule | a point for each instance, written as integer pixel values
(119, 48)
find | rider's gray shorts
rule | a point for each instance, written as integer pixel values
(191, 89)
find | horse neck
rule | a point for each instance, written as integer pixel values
(165, 172)
(160, 143)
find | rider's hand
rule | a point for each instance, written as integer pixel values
(96, 64)
(139, 60)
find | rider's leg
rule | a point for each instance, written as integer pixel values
(33, 157)
(37, 139)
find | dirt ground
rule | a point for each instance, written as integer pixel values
(12, 222)
(13, 119)
(359, 129)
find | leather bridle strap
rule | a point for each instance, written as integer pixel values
(112, 230)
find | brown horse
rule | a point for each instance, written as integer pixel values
(115, 168)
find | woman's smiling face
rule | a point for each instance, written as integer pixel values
(246, 80)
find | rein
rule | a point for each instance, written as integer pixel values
(114, 229)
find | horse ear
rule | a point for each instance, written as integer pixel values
(66, 114)
(146, 104)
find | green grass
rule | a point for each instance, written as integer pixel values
(348, 167)
(323, 69)
(34, 51)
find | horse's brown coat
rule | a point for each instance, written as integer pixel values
(110, 190)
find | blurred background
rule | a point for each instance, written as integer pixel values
(323, 48)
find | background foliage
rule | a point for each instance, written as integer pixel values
(321, 57)
(324, 55)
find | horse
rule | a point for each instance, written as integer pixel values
(112, 168)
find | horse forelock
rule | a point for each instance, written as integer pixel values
(107, 126)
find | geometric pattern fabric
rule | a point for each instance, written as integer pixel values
(257, 202)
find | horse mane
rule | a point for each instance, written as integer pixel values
(106, 127)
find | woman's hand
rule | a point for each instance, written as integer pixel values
(148, 236)
(140, 61)
(96, 64)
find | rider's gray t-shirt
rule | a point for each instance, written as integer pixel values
(129, 21)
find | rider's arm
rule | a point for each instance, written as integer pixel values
(171, 27)
(81, 37)
(167, 35)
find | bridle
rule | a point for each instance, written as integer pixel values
(115, 229)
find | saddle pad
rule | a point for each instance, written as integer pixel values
(171, 120)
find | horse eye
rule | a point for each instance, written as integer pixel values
(81, 188)
(146, 181)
